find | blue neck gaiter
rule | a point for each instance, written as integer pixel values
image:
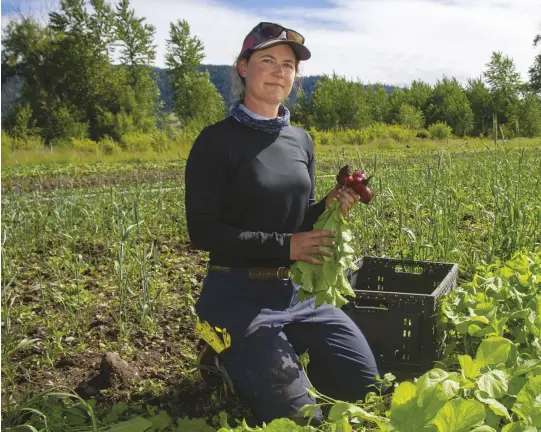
(244, 116)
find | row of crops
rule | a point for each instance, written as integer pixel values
(96, 258)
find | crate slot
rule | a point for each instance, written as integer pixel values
(409, 269)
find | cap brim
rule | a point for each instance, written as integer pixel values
(301, 51)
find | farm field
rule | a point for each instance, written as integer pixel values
(96, 259)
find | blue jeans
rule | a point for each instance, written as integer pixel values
(269, 327)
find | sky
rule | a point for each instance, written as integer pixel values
(387, 41)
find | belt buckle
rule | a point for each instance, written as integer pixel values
(281, 277)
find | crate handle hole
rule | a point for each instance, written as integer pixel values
(373, 305)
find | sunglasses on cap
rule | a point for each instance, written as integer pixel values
(271, 30)
(266, 33)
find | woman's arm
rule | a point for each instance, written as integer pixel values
(206, 179)
(314, 208)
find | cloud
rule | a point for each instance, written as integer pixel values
(388, 41)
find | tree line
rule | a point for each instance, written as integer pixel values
(88, 74)
(498, 99)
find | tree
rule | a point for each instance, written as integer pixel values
(481, 104)
(530, 115)
(535, 70)
(396, 99)
(137, 52)
(337, 102)
(411, 117)
(70, 83)
(504, 84)
(27, 49)
(87, 80)
(301, 112)
(208, 104)
(23, 126)
(378, 101)
(135, 39)
(418, 95)
(449, 104)
(194, 95)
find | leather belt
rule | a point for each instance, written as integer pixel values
(264, 273)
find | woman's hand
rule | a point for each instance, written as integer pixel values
(304, 245)
(346, 196)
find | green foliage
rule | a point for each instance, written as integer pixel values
(84, 145)
(327, 282)
(410, 117)
(56, 409)
(423, 133)
(301, 112)
(530, 115)
(137, 52)
(396, 99)
(504, 84)
(400, 134)
(371, 133)
(418, 94)
(439, 130)
(424, 211)
(137, 142)
(449, 104)
(70, 85)
(339, 103)
(378, 102)
(11, 143)
(134, 38)
(207, 104)
(195, 97)
(535, 75)
(491, 387)
(65, 122)
(20, 122)
(535, 69)
(480, 100)
(108, 146)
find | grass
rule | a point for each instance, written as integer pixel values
(44, 156)
(70, 156)
(96, 257)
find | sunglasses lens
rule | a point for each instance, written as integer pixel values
(271, 30)
(294, 36)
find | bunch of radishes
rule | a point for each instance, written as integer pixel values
(358, 182)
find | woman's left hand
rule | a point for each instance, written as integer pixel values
(345, 196)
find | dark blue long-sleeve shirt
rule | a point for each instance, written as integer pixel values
(247, 191)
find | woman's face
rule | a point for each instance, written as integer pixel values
(269, 74)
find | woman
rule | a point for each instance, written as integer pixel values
(250, 202)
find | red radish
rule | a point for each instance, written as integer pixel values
(359, 174)
(365, 193)
(343, 175)
(358, 181)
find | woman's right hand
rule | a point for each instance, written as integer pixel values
(304, 245)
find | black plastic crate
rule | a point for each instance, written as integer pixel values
(395, 307)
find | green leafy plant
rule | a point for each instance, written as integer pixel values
(328, 283)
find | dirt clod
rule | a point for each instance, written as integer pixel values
(116, 371)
